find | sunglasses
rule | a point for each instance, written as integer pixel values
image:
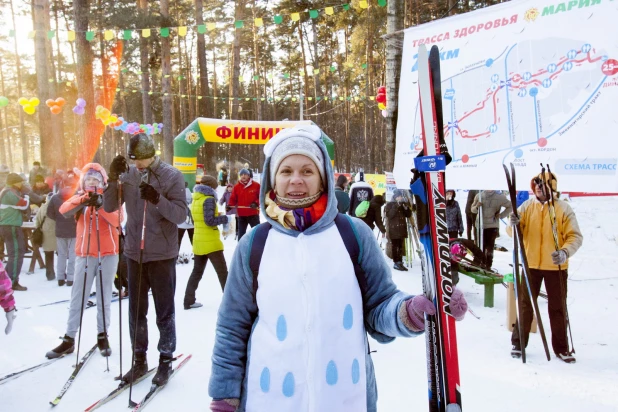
(537, 181)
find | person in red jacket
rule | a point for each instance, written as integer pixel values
(246, 199)
(86, 207)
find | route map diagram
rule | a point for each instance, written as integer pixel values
(524, 93)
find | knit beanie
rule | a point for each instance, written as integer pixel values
(244, 172)
(209, 181)
(13, 178)
(292, 145)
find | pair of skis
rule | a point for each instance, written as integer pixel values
(429, 191)
(125, 385)
(519, 252)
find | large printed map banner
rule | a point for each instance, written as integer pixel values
(523, 82)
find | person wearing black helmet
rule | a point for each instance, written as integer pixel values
(155, 191)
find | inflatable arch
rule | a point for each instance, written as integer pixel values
(203, 130)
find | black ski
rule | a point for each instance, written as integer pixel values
(518, 237)
(121, 388)
(16, 375)
(154, 389)
(69, 382)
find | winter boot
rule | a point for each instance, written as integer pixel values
(139, 369)
(566, 357)
(193, 305)
(61, 282)
(399, 266)
(18, 287)
(69, 283)
(163, 371)
(103, 344)
(516, 352)
(405, 269)
(49, 266)
(67, 346)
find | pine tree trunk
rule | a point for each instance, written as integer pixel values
(85, 87)
(235, 84)
(57, 120)
(393, 74)
(142, 6)
(22, 128)
(166, 88)
(256, 68)
(5, 144)
(204, 103)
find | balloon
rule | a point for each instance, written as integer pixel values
(56, 109)
(81, 102)
(23, 101)
(60, 101)
(381, 98)
(78, 110)
(384, 113)
(34, 102)
(113, 119)
(3, 101)
(381, 106)
(50, 102)
(29, 109)
(381, 90)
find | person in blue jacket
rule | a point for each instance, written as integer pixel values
(297, 341)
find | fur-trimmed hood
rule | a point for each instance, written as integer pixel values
(205, 190)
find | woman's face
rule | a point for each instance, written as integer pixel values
(91, 182)
(297, 177)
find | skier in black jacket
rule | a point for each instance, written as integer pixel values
(373, 217)
(397, 211)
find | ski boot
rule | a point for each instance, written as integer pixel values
(61, 282)
(139, 369)
(67, 346)
(516, 352)
(193, 305)
(163, 371)
(103, 345)
(566, 357)
(69, 283)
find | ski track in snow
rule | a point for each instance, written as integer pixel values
(491, 379)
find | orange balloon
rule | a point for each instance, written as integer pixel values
(60, 101)
(56, 109)
(50, 102)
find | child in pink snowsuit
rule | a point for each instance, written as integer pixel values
(6, 298)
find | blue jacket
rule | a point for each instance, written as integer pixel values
(65, 226)
(238, 312)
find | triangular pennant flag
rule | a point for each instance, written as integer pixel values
(293, 99)
(341, 98)
(313, 14)
(247, 99)
(278, 19)
(372, 98)
(295, 16)
(90, 35)
(108, 35)
(310, 98)
(70, 35)
(51, 34)
(201, 29)
(256, 77)
(286, 75)
(146, 33)
(364, 65)
(318, 98)
(126, 34)
(259, 22)
(269, 76)
(333, 68)
(211, 26)
(363, 4)
(381, 3)
(239, 24)
(199, 97)
(329, 11)
(240, 78)
(316, 71)
(164, 31)
(262, 99)
(182, 31)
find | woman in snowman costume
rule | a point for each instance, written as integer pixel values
(296, 339)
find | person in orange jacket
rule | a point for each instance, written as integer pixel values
(97, 234)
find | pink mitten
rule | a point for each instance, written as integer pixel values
(224, 405)
(416, 309)
(459, 306)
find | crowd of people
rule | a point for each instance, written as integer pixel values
(81, 213)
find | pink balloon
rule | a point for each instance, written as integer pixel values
(384, 113)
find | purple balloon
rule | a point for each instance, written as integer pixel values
(81, 102)
(79, 110)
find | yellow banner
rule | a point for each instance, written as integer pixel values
(185, 164)
(242, 132)
(377, 182)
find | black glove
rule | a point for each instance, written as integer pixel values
(94, 199)
(228, 208)
(254, 205)
(149, 193)
(119, 166)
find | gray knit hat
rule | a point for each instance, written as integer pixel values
(296, 145)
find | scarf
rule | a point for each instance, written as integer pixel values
(299, 219)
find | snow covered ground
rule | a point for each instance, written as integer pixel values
(491, 379)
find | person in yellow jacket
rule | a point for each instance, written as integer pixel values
(206, 238)
(545, 262)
